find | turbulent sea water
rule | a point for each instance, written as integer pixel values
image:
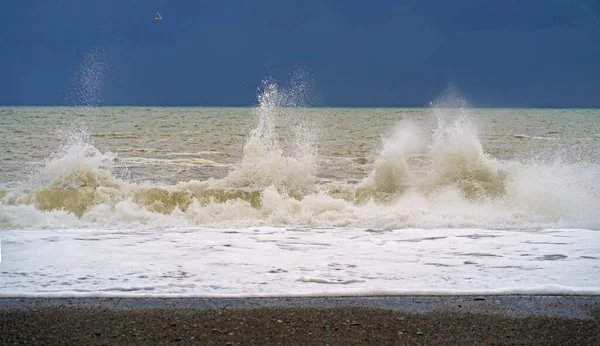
(284, 200)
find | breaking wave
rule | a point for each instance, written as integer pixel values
(419, 179)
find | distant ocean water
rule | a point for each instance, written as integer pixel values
(281, 200)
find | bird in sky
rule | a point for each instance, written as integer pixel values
(158, 17)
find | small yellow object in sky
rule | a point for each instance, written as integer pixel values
(158, 17)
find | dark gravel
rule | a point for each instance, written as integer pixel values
(80, 324)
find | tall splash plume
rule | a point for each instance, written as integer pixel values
(283, 157)
(457, 156)
(72, 177)
(454, 159)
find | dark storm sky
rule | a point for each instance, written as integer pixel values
(526, 53)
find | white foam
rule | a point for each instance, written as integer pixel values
(536, 195)
(268, 261)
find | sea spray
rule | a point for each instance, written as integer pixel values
(454, 158)
(458, 160)
(391, 171)
(562, 193)
(89, 78)
(74, 177)
(265, 161)
(76, 163)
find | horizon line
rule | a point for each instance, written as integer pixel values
(318, 106)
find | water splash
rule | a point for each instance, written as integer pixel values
(392, 172)
(284, 157)
(458, 159)
(77, 154)
(72, 177)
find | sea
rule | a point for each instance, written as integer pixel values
(281, 199)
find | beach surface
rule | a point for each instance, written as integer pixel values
(448, 320)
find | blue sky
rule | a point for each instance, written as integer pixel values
(527, 53)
